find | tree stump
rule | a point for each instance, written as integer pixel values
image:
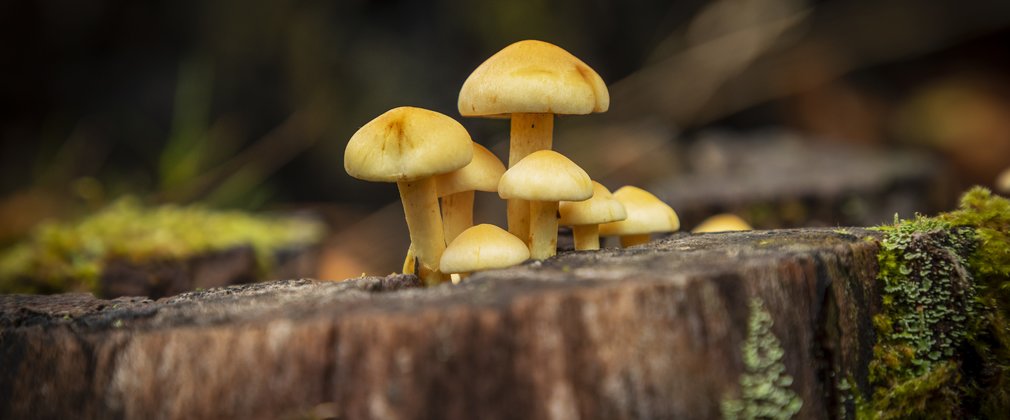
(654, 331)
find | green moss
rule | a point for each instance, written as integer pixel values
(943, 343)
(69, 256)
(764, 386)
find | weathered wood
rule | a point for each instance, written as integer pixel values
(645, 332)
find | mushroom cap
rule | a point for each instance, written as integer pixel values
(646, 214)
(601, 208)
(533, 77)
(406, 144)
(481, 174)
(545, 175)
(1003, 182)
(483, 247)
(722, 223)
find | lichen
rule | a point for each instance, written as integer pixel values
(764, 386)
(943, 343)
(70, 256)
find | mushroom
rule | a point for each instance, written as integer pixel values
(483, 247)
(722, 223)
(646, 215)
(531, 81)
(585, 216)
(1003, 182)
(456, 189)
(544, 178)
(409, 146)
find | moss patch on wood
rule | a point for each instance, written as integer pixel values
(943, 340)
(70, 256)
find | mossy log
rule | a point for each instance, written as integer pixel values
(655, 331)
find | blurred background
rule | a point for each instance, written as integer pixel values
(786, 112)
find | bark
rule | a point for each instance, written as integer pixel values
(647, 332)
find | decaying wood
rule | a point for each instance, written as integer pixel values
(645, 332)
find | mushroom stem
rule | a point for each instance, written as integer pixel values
(530, 132)
(420, 206)
(409, 262)
(457, 214)
(543, 229)
(587, 237)
(632, 240)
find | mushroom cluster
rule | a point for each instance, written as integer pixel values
(430, 156)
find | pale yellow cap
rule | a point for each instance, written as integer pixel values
(722, 223)
(406, 144)
(1003, 182)
(601, 208)
(481, 174)
(545, 175)
(483, 247)
(646, 214)
(533, 77)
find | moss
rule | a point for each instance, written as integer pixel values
(70, 256)
(943, 344)
(764, 386)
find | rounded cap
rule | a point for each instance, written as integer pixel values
(1003, 182)
(481, 174)
(646, 214)
(533, 77)
(405, 144)
(601, 208)
(722, 223)
(545, 175)
(483, 247)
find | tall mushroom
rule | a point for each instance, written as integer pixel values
(456, 189)
(531, 81)
(483, 247)
(646, 215)
(409, 146)
(586, 216)
(544, 178)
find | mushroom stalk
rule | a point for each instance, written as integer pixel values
(587, 237)
(457, 214)
(530, 132)
(632, 240)
(420, 206)
(543, 229)
(409, 262)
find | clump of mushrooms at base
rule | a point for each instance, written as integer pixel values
(430, 155)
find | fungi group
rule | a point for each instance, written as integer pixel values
(430, 156)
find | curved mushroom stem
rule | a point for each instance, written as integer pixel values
(543, 229)
(457, 214)
(410, 262)
(632, 240)
(587, 237)
(530, 132)
(420, 206)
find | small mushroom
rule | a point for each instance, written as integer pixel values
(409, 146)
(722, 223)
(456, 189)
(1003, 182)
(531, 81)
(646, 215)
(586, 216)
(483, 247)
(544, 178)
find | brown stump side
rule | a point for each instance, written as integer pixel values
(646, 332)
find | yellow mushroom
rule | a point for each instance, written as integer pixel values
(531, 81)
(586, 216)
(483, 247)
(646, 215)
(544, 178)
(409, 146)
(1003, 182)
(456, 189)
(722, 223)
